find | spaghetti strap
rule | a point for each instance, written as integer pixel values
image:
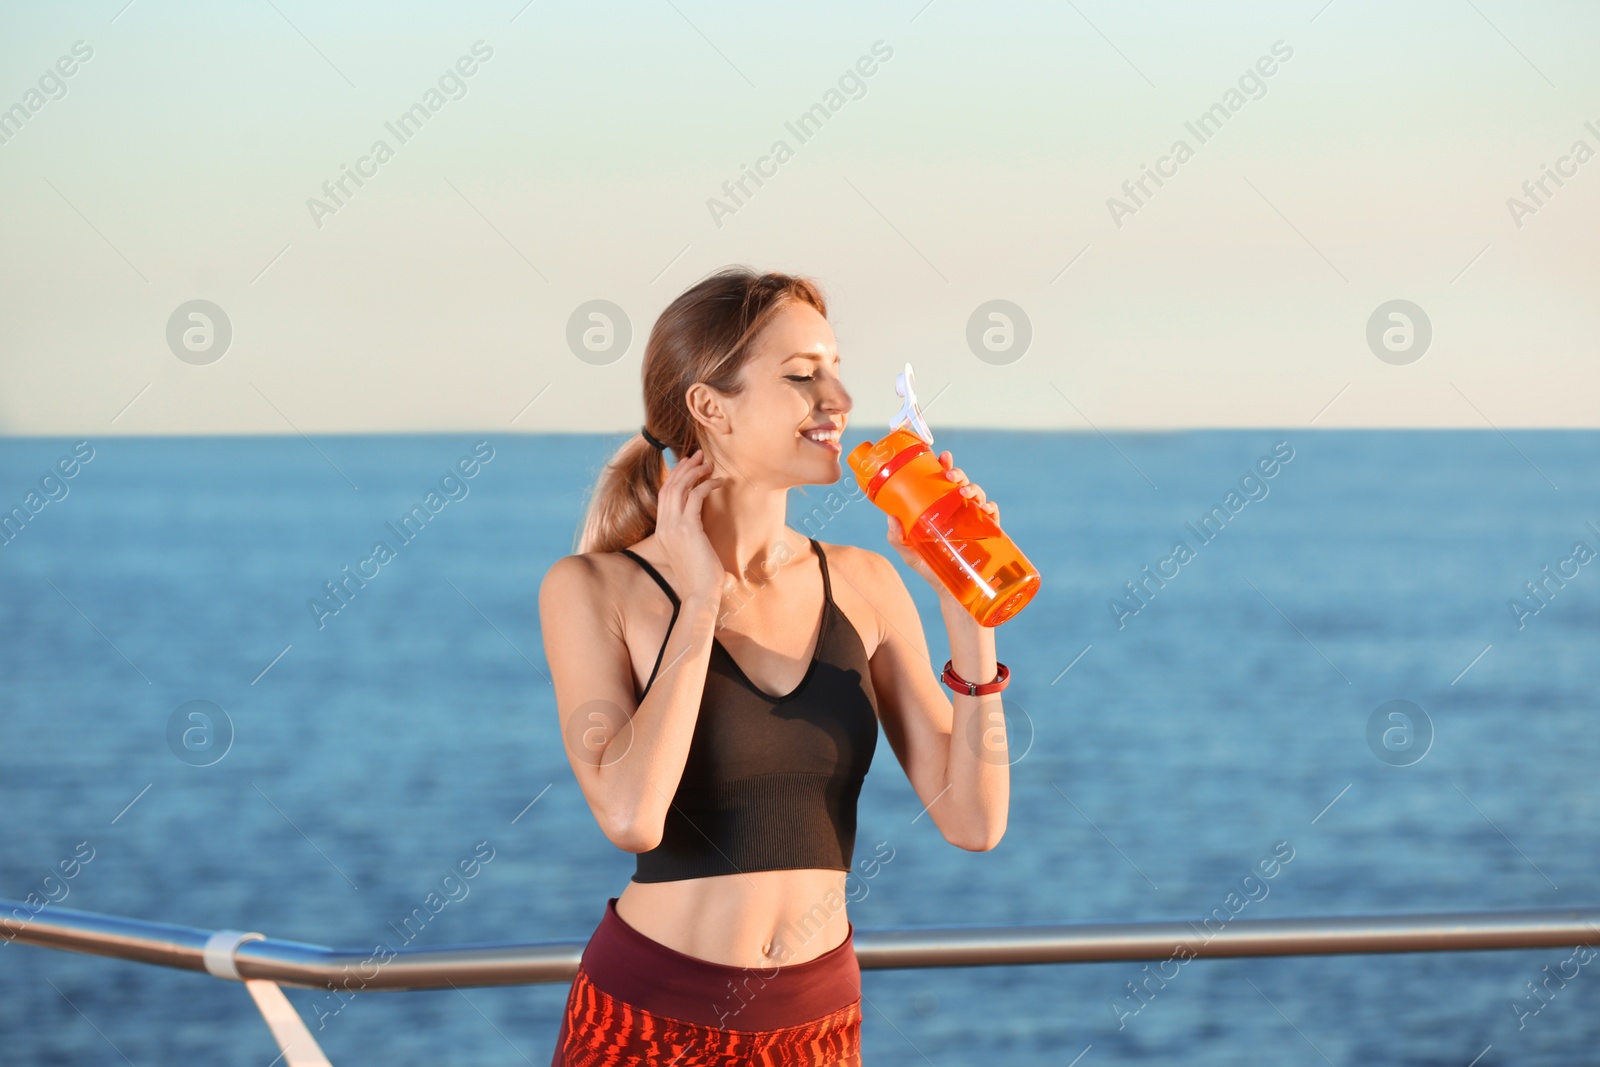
(662, 582)
(827, 603)
(822, 561)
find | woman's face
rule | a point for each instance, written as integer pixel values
(792, 386)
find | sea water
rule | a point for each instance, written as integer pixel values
(220, 689)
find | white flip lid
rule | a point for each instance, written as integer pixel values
(909, 415)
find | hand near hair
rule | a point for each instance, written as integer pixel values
(695, 564)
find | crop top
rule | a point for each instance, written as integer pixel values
(770, 783)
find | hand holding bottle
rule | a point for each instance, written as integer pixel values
(943, 526)
(969, 489)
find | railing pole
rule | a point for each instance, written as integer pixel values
(297, 1047)
(231, 954)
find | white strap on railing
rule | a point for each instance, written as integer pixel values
(220, 948)
(299, 1048)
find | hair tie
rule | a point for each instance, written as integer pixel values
(652, 440)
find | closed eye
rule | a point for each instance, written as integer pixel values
(800, 377)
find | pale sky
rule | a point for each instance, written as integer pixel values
(1377, 162)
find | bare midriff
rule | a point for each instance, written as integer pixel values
(757, 919)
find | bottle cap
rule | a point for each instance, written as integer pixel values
(909, 415)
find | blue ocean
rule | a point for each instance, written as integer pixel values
(1177, 717)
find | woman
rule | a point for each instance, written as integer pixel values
(719, 725)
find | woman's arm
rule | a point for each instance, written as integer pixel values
(628, 757)
(955, 755)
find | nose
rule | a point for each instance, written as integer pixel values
(836, 399)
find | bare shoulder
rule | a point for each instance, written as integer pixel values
(872, 590)
(869, 570)
(583, 580)
(584, 626)
(577, 573)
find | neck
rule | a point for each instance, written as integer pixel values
(746, 526)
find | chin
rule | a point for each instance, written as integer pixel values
(832, 466)
(822, 471)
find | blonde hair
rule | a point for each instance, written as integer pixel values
(705, 335)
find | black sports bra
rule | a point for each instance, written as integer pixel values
(770, 782)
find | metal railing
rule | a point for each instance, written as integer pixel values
(263, 963)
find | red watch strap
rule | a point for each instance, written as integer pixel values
(975, 689)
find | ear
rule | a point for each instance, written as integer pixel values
(707, 407)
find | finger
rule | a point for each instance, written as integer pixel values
(946, 459)
(695, 496)
(692, 507)
(689, 464)
(684, 477)
(671, 495)
(694, 471)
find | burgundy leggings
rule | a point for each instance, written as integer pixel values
(635, 1001)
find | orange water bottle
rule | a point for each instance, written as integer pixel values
(974, 559)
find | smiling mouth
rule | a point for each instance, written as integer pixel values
(828, 440)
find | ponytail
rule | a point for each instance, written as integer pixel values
(622, 509)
